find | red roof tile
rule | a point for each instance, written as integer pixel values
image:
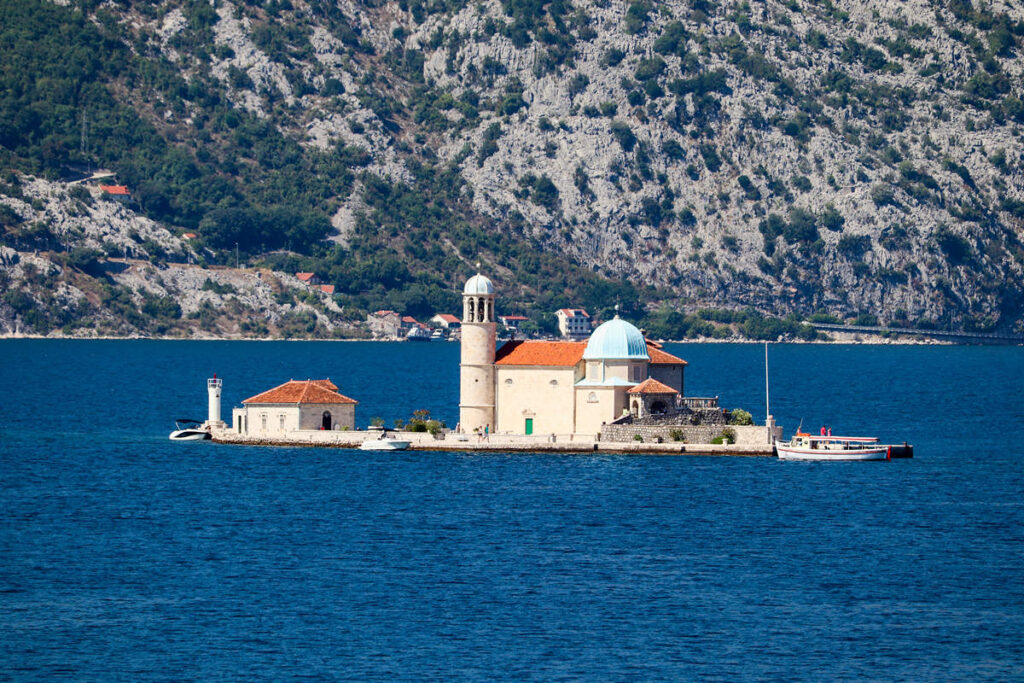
(659, 357)
(652, 386)
(308, 391)
(383, 314)
(190, 235)
(115, 189)
(448, 317)
(327, 289)
(545, 353)
(305, 277)
(573, 312)
(513, 317)
(408, 319)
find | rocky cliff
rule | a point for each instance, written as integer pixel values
(798, 157)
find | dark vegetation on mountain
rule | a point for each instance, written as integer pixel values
(699, 163)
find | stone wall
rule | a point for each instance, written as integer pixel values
(745, 435)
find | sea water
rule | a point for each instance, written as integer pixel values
(126, 556)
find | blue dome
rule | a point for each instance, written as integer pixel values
(478, 284)
(618, 340)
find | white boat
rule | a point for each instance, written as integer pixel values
(190, 430)
(384, 443)
(803, 446)
(418, 334)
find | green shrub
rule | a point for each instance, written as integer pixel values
(728, 435)
(740, 417)
(677, 435)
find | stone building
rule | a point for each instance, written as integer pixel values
(545, 387)
(386, 324)
(295, 406)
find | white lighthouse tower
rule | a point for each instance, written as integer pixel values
(213, 387)
(476, 397)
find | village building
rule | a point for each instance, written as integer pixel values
(387, 324)
(310, 279)
(512, 322)
(118, 193)
(557, 387)
(573, 323)
(295, 406)
(446, 321)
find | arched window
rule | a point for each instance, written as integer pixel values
(592, 397)
(325, 422)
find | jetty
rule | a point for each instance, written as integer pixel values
(494, 443)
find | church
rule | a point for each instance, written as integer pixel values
(557, 387)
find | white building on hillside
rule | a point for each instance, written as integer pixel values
(573, 323)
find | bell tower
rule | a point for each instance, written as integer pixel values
(476, 396)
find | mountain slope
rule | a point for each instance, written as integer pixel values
(852, 158)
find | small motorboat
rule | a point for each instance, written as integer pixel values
(190, 430)
(384, 443)
(803, 446)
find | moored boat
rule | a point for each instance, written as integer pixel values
(803, 446)
(190, 430)
(384, 443)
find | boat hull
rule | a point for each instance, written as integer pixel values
(384, 445)
(190, 435)
(790, 453)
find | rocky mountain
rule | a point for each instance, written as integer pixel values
(806, 157)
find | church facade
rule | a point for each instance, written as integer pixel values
(557, 387)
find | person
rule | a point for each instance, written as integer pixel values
(830, 431)
(823, 430)
(487, 432)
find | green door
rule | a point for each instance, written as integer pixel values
(529, 425)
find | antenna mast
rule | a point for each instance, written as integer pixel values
(767, 410)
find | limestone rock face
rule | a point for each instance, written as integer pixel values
(87, 266)
(862, 157)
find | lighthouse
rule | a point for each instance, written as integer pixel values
(213, 386)
(476, 397)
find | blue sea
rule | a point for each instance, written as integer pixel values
(124, 556)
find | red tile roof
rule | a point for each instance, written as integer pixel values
(298, 392)
(573, 312)
(652, 386)
(448, 317)
(408, 319)
(383, 314)
(327, 289)
(115, 189)
(305, 277)
(190, 235)
(513, 317)
(326, 383)
(659, 357)
(545, 353)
